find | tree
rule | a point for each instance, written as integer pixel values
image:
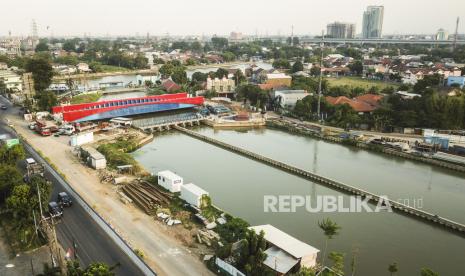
(42, 72)
(46, 100)
(297, 67)
(42, 47)
(428, 272)
(196, 47)
(393, 268)
(140, 61)
(190, 62)
(338, 262)
(221, 72)
(94, 269)
(253, 253)
(9, 178)
(166, 70)
(179, 75)
(239, 77)
(158, 60)
(69, 46)
(228, 56)
(356, 67)
(330, 229)
(12, 155)
(199, 77)
(281, 64)
(219, 43)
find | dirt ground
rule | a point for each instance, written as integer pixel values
(162, 245)
(23, 263)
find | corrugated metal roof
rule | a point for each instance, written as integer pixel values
(279, 260)
(284, 241)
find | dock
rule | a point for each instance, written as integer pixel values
(161, 123)
(348, 189)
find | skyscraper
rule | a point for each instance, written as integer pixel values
(442, 35)
(340, 30)
(373, 22)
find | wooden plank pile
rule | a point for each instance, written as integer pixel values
(147, 196)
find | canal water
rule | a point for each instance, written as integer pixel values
(238, 185)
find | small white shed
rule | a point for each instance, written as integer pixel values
(193, 195)
(170, 181)
(94, 158)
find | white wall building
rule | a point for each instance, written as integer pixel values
(290, 97)
(12, 80)
(193, 195)
(220, 86)
(170, 181)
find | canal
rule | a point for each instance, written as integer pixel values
(238, 185)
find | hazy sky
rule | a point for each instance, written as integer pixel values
(181, 17)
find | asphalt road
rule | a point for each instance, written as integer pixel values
(93, 244)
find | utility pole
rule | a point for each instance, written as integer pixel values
(456, 33)
(321, 75)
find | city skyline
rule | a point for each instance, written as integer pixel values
(138, 16)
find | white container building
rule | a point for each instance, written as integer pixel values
(81, 139)
(193, 194)
(170, 181)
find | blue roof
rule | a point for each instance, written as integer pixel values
(135, 110)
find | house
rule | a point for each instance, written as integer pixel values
(170, 181)
(278, 79)
(83, 67)
(142, 79)
(11, 80)
(288, 98)
(370, 99)
(170, 86)
(460, 81)
(222, 86)
(360, 106)
(285, 252)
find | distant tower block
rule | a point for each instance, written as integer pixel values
(34, 31)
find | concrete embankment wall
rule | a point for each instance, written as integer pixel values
(307, 132)
(422, 215)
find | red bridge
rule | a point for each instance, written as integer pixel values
(126, 107)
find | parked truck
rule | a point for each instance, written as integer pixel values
(44, 129)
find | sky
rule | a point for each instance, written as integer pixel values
(208, 17)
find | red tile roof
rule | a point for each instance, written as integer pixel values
(370, 99)
(357, 105)
(170, 85)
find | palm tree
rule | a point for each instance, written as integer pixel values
(393, 268)
(330, 229)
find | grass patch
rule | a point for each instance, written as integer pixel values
(86, 98)
(354, 82)
(111, 68)
(117, 153)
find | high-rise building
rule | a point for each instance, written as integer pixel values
(340, 30)
(373, 22)
(442, 35)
